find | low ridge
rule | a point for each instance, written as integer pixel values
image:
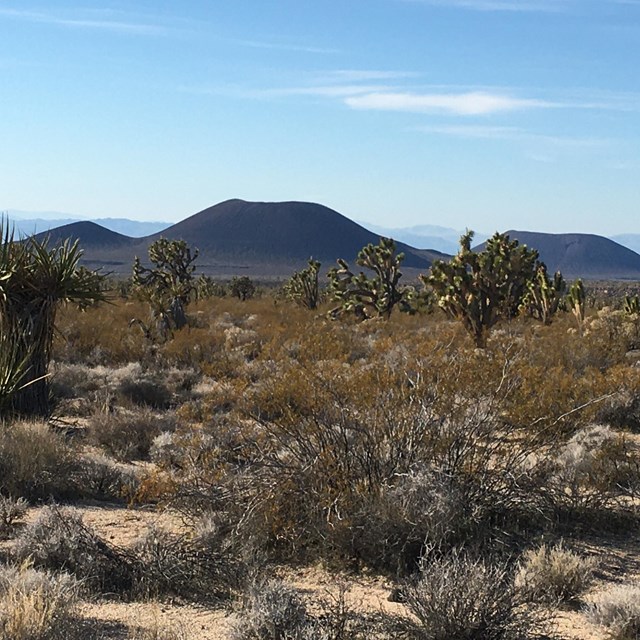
(582, 255)
(89, 234)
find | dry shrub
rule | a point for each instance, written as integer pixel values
(83, 390)
(59, 541)
(192, 568)
(622, 411)
(326, 458)
(458, 596)
(101, 335)
(618, 609)
(11, 510)
(128, 435)
(36, 462)
(35, 605)
(423, 508)
(553, 574)
(272, 610)
(593, 469)
(102, 478)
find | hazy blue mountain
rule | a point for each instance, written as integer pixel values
(424, 236)
(629, 240)
(27, 223)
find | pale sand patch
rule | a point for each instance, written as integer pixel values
(196, 623)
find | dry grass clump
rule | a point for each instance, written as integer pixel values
(102, 478)
(618, 609)
(459, 596)
(128, 435)
(553, 574)
(35, 605)
(272, 610)
(36, 462)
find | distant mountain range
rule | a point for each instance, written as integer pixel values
(274, 239)
(425, 236)
(27, 223)
(258, 238)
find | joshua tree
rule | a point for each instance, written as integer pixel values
(631, 305)
(577, 301)
(35, 280)
(242, 287)
(369, 297)
(168, 285)
(482, 287)
(303, 288)
(544, 295)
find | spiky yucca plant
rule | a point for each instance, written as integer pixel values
(35, 279)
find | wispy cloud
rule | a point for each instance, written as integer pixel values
(84, 22)
(547, 6)
(283, 46)
(523, 6)
(463, 104)
(366, 75)
(515, 134)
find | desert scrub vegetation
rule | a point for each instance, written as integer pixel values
(410, 445)
(324, 438)
(554, 574)
(36, 605)
(461, 596)
(618, 610)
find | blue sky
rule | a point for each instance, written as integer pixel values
(488, 114)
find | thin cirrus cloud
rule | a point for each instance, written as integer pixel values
(522, 6)
(515, 134)
(547, 6)
(281, 46)
(474, 103)
(120, 26)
